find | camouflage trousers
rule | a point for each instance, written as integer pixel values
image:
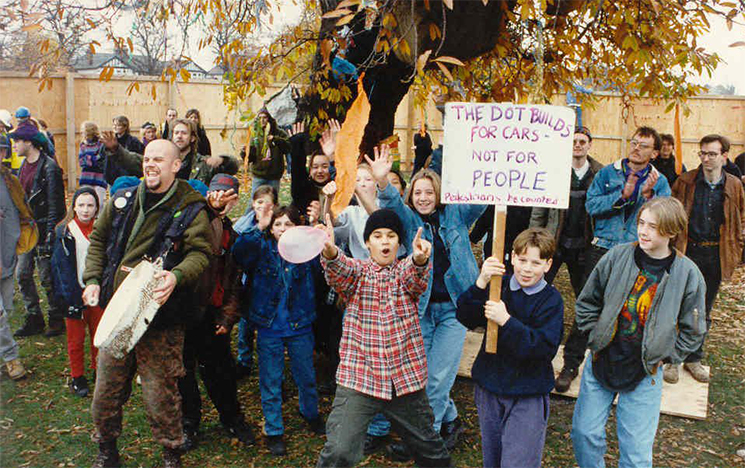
(158, 359)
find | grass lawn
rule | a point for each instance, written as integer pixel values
(43, 425)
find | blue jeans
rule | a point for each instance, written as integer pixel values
(257, 182)
(246, 336)
(513, 428)
(379, 426)
(271, 353)
(637, 415)
(443, 337)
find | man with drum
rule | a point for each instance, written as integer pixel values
(161, 218)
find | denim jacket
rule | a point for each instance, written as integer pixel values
(612, 227)
(259, 257)
(455, 222)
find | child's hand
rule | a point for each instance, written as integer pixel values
(381, 166)
(491, 267)
(496, 312)
(329, 189)
(329, 247)
(422, 249)
(263, 218)
(313, 212)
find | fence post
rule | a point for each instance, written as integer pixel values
(72, 160)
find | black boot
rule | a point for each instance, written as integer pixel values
(241, 431)
(108, 456)
(450, 433)
(34, 325)
(565, 378)
(171, 458)
(56, 328)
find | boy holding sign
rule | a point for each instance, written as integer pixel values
(512, 386)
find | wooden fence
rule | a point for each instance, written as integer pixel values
(75, 98)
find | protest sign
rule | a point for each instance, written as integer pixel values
(507, 154)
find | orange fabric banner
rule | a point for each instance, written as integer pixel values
(348, 148)
(678, 142)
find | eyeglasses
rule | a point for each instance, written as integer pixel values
(638, 144)
(708, 154)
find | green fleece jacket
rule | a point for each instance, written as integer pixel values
(196, 240)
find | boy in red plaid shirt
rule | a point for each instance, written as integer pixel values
(383, 366)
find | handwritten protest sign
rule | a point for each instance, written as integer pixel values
(507, 154)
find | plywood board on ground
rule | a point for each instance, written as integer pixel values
(686, 399)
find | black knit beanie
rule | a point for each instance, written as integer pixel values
(90, 191)
(384, 218)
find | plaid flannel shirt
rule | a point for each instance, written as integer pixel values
(381, 346)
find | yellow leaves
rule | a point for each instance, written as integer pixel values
(153, 92)
(448, 3)
(403, 48)
(185, 75)
(389, 21)
(345, 20)
(106, 74)
(434, 32)
(339, 12)
(737, 44)
(326, 46)
(31, 28)
(132, 87)
(630, 43)
(348, 3)
(451, 60)
(130, 44)
(421, 62)
(444, 70)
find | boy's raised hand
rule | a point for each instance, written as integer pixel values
(381, 166)
(329, 248)
(422, 249)
(491, 267)
(496, 312)
(328, 138)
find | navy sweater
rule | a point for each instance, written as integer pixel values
(526, 344)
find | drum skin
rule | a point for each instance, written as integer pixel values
(130, 311)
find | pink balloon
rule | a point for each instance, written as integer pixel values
(300, 244)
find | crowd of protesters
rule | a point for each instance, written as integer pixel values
(386, 304)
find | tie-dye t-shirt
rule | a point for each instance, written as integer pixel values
(619, 366)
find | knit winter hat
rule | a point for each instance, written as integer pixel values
(383, 218)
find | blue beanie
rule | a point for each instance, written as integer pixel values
(23, 113)
(124, 182)
(199, 186)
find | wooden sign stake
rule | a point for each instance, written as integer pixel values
(495, 285)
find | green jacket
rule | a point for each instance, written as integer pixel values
(269, 166)
(196, 241)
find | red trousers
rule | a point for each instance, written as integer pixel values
(76, 339)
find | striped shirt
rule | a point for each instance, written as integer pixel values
(381, 347)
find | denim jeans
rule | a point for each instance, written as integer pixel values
(8, 346)
(25, 271)
(352, 411)
(257, 182)
(637, 415)
(271, 353)
(246, 337)
(6, 293)
(513, 428)
(443, 338)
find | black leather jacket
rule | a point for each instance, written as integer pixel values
(47, 197)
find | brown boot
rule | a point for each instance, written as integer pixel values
(697, 371)
(108, 456)
(565, 378)
(171, 458)
(670, 373)
(16, 371)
